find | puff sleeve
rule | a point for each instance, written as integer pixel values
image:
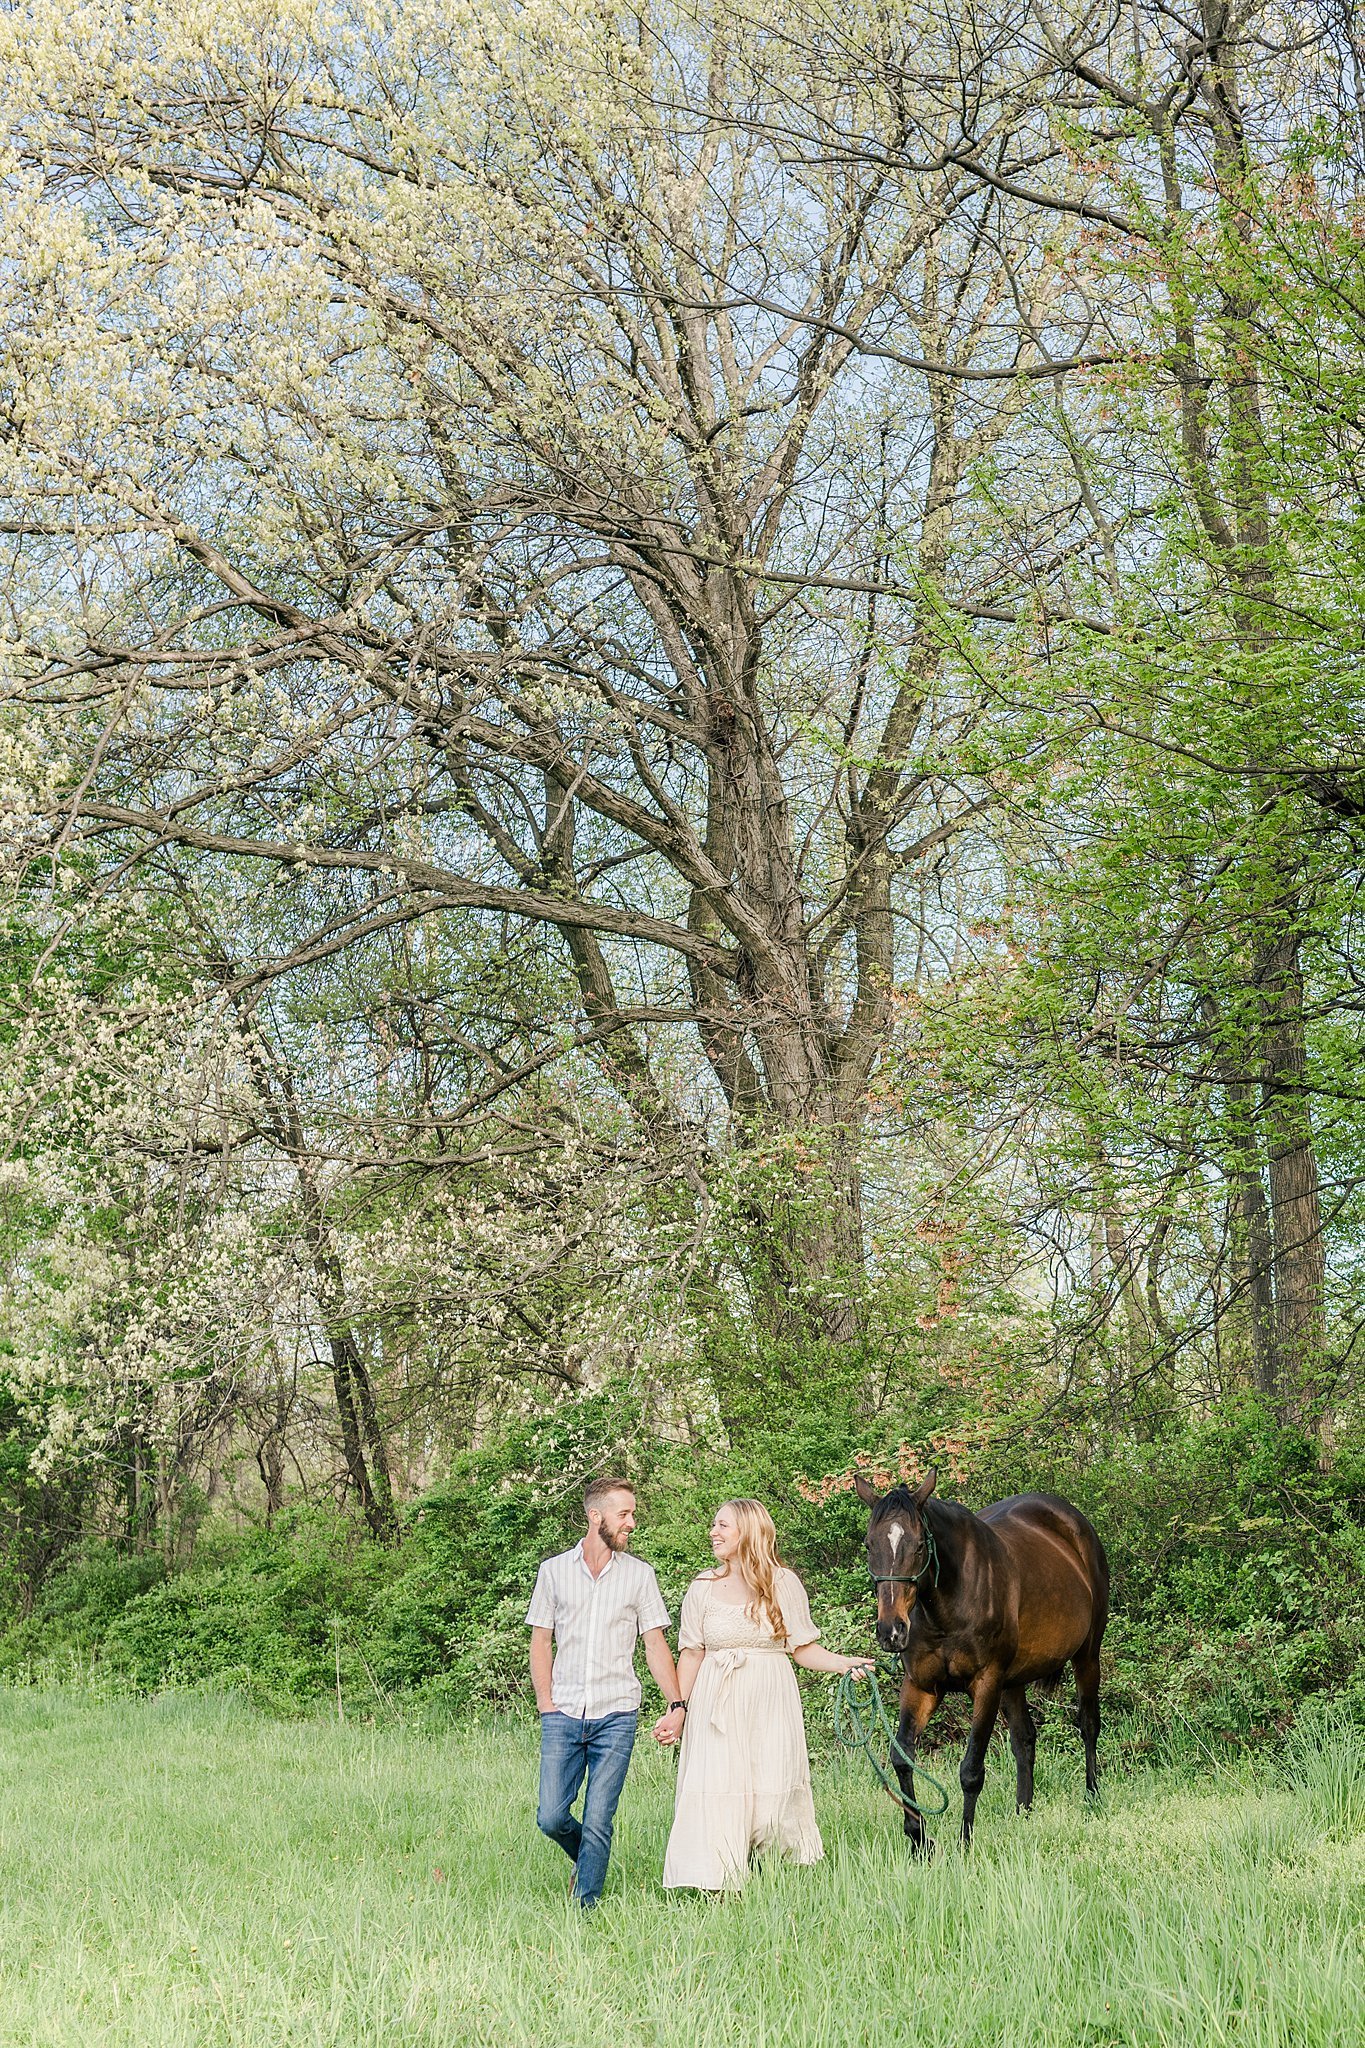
(691, 1633)
(796, 1612)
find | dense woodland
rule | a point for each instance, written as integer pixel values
(683, 786)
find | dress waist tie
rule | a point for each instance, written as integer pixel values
(728, 1662)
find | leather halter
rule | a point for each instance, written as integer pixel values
(911, 1578)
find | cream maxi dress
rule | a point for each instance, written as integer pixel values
(744, 1776)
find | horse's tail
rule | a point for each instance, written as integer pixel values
(1099, 1580)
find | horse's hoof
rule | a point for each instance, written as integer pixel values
(923, 1849)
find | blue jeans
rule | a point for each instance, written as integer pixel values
(570, 1751)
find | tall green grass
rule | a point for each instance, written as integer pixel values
(183, 1871)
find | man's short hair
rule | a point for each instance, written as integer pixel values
(596, 1492)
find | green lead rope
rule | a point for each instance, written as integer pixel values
(863, 1723)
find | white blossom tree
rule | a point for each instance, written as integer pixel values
(523, 462)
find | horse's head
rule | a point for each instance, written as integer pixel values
(901, 1553)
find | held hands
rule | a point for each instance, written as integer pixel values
(669, 1727)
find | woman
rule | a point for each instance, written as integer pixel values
(744, 1776)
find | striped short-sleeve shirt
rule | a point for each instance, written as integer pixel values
(597, 1623)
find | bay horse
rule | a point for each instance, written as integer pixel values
(986, 1604)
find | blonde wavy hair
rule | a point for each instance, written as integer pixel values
(758, 1560)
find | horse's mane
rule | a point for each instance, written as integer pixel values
(900, 1498)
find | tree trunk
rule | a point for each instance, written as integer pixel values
(353, 1389)
(1230, 496)
(1114, 1275)
(1295, 1203)
(270, 1465)
(803, 1253)
(1252, 1244)
(348, 1376)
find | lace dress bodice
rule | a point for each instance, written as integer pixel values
(726, 1626)
(709, 1621)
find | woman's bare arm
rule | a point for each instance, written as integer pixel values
(689, 1664)
(815, 1657)
(668, 1727)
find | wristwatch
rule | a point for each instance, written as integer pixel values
(674, 1705)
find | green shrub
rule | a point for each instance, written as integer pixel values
(77, 1606)
(270, 1610)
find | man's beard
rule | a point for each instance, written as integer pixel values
(616, 1539)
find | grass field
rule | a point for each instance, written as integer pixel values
(184, 1871)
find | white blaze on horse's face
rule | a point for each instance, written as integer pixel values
(896, 1594)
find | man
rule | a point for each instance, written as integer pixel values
(594, 1602)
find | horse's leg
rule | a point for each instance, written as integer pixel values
(916, 1707)
(1086, 1665)
(1023, 1741)
(985, 1692)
